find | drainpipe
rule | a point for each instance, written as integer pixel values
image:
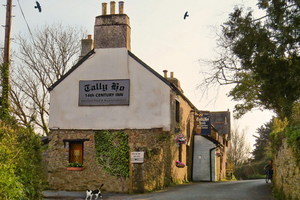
(210, 163)
(193, 147)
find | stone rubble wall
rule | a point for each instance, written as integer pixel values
(287, 173)
(90, 178)
(157, 171)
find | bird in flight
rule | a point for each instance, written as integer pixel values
(38, 6)
(185, 15)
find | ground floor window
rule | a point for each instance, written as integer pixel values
(76, 152)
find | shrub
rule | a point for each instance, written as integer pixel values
(253, 170)
(257, 176)
(21, 169)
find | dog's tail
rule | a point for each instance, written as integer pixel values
(101, 186)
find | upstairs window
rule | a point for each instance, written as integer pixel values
(177, 108)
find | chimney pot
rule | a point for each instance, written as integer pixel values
(104, 8)
(165, 73)
(90, 37)
(121, 7)
(172, 74)
(112, 7)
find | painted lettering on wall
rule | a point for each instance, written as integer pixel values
(104, 92)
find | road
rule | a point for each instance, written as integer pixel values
(231, 190)
(235, 190)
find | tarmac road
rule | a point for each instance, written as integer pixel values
(231, 190)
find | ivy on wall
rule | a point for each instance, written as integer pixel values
(5, 105)
(293, 140)
(112, 151)
(282, 129)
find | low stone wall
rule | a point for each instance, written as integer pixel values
(157, 171)
(287, 173)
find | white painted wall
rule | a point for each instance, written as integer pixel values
(149, 96)
(201, 167)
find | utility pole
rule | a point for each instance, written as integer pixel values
(4, 115)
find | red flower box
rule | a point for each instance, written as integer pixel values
(75, 168)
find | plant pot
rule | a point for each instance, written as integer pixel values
(180, 166)
(75, 168)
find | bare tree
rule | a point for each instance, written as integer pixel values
(44, 57)
(239, 150)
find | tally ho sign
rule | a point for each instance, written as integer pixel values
(104, 92)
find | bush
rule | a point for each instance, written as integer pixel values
(253, 170)
(21, 169)
(257, 176)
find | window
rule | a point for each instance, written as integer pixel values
(177, 110)
(75, 149)
(180, 153)
(188, 131)
(76, 152)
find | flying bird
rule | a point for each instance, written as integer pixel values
(38, 6)
(185, 15)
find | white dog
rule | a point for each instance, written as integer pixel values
(90, 193)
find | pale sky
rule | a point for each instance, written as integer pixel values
(159, 36)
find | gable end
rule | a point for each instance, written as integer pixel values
(149, 68)
(71, 70)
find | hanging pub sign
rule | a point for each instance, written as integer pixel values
(104, 92)
(203, 126)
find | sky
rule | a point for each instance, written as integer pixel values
(159, 36)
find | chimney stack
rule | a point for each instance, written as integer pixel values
(86, 46)
(173, 80)
(113, 30)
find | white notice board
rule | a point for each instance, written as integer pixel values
(137, 157)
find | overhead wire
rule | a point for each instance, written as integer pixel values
(25, 20)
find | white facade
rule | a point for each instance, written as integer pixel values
(201, 161)
(149, 100)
